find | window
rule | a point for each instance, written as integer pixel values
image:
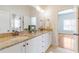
(69, 24)
(67, 21)
(33, 21)
(17, 23)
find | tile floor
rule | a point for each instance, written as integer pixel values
(53, 49)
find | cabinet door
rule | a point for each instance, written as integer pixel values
(75, 43)
(22, 47)
(69, 42)
(46, 41)
(12, 49)
(51, 37)
(28, 46)
(18, 48)
(39, 44)
(34, 45)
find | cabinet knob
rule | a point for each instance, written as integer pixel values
(24, 45)
(27, 44)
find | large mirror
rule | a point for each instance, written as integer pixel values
(17, 23)
(4, 22)
(10, 22)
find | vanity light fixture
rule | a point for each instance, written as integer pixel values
(39, 9)
(44, 13)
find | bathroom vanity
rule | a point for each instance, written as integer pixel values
(37, 42)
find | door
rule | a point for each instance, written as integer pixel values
(67, 27)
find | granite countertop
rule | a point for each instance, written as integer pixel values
(12, 40)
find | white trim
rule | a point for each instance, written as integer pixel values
(66, 11)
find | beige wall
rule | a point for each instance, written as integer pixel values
(16, 9)
(21, 10)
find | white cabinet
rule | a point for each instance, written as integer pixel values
(75, 43)
(51, 37)
(37, 44)
(18, 48)
(12, 49)
(46, 41)
(34, 45)
(22, 47)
